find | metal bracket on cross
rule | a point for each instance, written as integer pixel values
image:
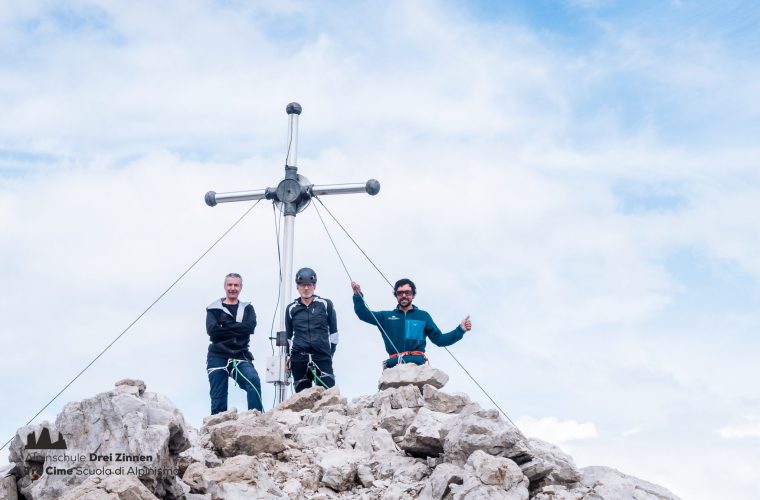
(292, 195)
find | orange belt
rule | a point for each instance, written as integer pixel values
(409, 353)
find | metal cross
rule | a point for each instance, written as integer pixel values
(292, 195)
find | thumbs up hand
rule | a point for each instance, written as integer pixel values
(466, 324)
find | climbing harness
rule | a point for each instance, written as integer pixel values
(235, 372)
(409, 353)
(311, 369)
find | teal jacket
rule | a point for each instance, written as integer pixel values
(406, 331)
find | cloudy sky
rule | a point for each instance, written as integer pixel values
(580, 176)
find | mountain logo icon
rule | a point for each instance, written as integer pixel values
(44, 442)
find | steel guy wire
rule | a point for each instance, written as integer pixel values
(138, 317)
(386, 279)
(377, 322)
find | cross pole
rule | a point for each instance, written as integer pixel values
(292, 195)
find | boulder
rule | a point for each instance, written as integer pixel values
(250, 434)
(563, 470)
(396, 421)
(339, 468)
(211, 420)
(196, 453)
(330, 397)
(128, 427)
(411, 374)
(559, 492)
(426, 434)
(130, 386)
(8, 488)
(407, 396)
(241, 476)
(304, 400)
(439, 484)
(442, 402)
(496, 471)
(109, 488)
(610, 484)
(484, 430)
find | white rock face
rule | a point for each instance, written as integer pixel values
(411, 374)
(409, 440)
(609, 484)
(125, 427)
(111, 488)
(8, 488)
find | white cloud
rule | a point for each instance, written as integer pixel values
(499, 153)
(749, 429)
(554, 430)
(633, 431)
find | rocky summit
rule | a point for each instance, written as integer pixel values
(409, 440)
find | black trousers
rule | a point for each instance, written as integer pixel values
(303, 374)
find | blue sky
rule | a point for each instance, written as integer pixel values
(581, 177)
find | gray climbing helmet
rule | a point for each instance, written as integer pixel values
(306, 275)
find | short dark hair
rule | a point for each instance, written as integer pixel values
(234, 275)
(405, 281)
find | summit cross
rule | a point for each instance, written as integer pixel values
(292, 195)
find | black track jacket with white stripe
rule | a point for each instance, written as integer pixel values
(313, 328)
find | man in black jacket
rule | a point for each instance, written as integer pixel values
(230, 324)
(311, 325)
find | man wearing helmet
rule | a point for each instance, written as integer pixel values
(312, 327)
(405, 328)
(230, 324)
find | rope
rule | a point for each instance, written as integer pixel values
(316, 377)
(331, 240)
(236, 371)
(354, 242)
(310, 366)
(481, 388)
(138, 317)
(373, 315)
(377, 322)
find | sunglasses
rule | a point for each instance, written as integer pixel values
(401, 293)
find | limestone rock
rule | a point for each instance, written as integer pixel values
(439, 484)
(484, 430)
(130, 428)
(396, 421)
(426, 434)
(563, 469)
(559, 492)
(609, 484)
(408, 396)
(109, 488)
(196, 453)
(250, 434)
(304, 400)
(339, 468)
(407, 441)
(496, 471)
(442, 402)
(211, 420)
(131, 386)
(330, 397)
(8, 488)
(411, 374)
(241, 476)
